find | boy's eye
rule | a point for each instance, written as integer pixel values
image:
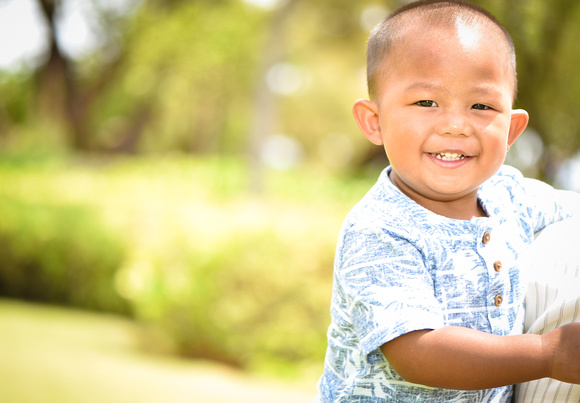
(427, 104)
(480, 107)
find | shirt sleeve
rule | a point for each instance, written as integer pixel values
(387, 287)
(547, 205)
(541, 203)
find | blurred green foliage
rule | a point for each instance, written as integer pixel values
(191, 68)
(58, 254)
(54, 252)
(181, 246)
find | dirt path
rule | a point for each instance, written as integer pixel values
(57, 355)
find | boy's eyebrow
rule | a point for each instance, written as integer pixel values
(483, 89)
(487, 90)
(424, 86)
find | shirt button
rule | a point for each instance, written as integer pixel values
(497, 266)
(486, 238)
(498, 300)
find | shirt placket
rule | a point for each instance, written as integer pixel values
(497, 294)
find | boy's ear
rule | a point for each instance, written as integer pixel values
(519, 122)
(366, 114)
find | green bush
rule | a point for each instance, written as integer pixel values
(58, 254)
(256, 298)
(214, 271)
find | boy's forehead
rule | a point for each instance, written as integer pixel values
(420, 33)
(466, 27)
(467, 34)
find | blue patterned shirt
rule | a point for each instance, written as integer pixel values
(400, 267)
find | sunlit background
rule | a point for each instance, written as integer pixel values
(173, 176)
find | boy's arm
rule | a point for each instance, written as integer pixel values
(467, 359)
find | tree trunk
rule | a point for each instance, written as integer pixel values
(59, 94)
(52, 77)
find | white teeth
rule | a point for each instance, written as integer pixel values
(448, 156)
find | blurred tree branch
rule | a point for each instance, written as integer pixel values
(64, 96)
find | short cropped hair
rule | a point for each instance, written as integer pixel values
(383, 37)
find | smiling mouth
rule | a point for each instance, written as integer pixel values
(448, 156)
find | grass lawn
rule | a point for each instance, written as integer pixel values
(59, 355)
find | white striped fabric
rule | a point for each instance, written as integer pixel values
(552, 300)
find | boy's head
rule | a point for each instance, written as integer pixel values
(384, 39)
(442, 81)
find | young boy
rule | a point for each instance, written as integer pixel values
(428, 296)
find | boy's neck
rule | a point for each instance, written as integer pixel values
(458, 209)
(464, 208)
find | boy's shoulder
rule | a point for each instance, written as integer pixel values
(382, 200)
(507, 175)
(507, 182)
(384, 208)
(510, 183)
(384, 216)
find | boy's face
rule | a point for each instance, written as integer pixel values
(444, 113)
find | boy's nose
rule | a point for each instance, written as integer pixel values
(455, 124)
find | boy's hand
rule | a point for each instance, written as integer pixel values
(563, 344)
